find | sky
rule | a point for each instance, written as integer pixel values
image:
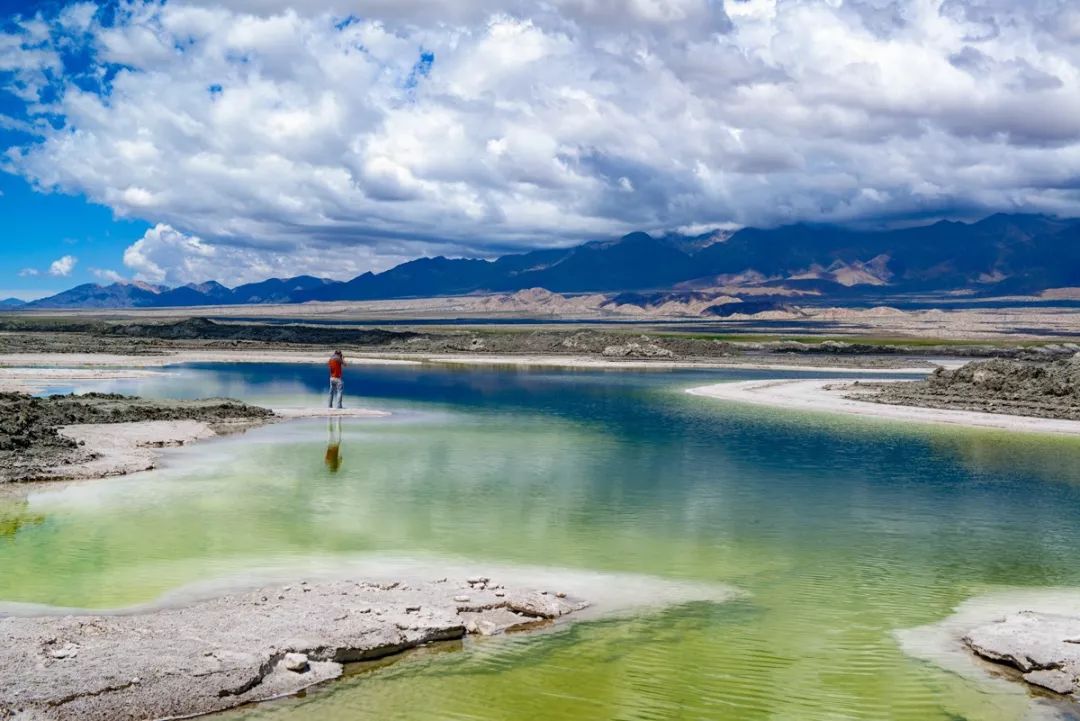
(175, 142)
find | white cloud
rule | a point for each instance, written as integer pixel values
(62, 267)
(166, 256)
(29, 272)
(281, 138)
(106, 275)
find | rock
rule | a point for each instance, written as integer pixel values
(1053, 680)
(1043, 389)
(65, 651)
(636, 350)
(295, 662)
(461, 599)
(1041, 646)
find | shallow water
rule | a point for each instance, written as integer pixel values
(841, 531)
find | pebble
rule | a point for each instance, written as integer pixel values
(461, 599)
(64, 652)
(295, 662)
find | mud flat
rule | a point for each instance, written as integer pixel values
(196, 655)
(157, 338)
(842, 396)
(1025, 641)
(32, 372)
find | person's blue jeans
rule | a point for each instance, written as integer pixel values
(337, 390)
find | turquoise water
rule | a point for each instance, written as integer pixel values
(840, 531)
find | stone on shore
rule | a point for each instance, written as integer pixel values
(217, 654)
(1044, 648)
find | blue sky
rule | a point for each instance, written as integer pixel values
(186, 140)
(40, 228)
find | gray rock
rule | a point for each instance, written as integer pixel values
(297, 662)
(1043, 647)
(217, 654)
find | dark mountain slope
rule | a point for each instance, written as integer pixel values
(1001, 253)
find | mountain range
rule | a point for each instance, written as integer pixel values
(11, 303)
(999, 254)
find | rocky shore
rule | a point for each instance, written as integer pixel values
(84, 436)
(1044, 648)
(1041, 390)
(238, 649)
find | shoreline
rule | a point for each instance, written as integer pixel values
(826, 396)
(98, 450)
(121, 449)
(26, 368)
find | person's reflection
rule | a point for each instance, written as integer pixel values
(333, 444)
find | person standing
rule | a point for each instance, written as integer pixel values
(337, 385)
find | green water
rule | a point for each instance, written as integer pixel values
(841, 532)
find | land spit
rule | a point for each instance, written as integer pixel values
(237, 649)
(971, 396)
(98, 435)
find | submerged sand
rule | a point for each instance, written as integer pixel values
(1000, 641)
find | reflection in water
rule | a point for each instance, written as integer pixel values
(1000, 457)
(333, 444)
(16, 515)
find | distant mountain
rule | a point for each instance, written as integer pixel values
(9, 303)
(208, 293)
(91, 295)
(635, 261)
(276, 290)
(1001, 253)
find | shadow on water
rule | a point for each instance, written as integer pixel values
(15, 515)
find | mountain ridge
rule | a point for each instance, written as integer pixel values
(1002, 253)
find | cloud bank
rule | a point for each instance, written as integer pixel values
(266, 140)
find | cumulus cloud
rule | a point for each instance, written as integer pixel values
(167, 256)
(62, 267)
(262, 136)
(106, 275)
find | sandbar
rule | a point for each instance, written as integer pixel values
(827, 396)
